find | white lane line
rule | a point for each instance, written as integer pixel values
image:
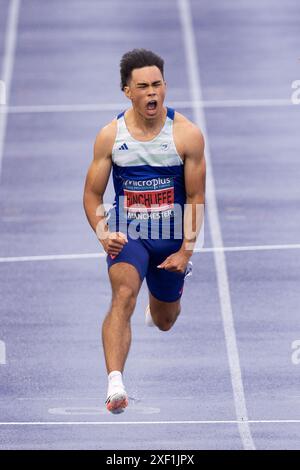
(80, 399)
(83, 108)
(220, 261)
(17, 259)
(74, 256)
(8, 64)
(249, 103)
(136, 423)
(2, 353)
(294, 246)
(84, 410)
(66, 108)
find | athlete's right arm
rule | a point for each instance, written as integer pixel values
(95, 185)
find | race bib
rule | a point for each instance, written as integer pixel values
(149, 198)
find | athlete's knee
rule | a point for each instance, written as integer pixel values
(165, 323)
(124, 296)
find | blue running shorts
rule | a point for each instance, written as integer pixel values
(145, 255)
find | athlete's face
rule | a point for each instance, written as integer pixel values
(147, 89)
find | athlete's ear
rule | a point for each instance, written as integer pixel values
(127, 92)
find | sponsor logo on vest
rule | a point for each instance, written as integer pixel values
(152, 183)
(123, 147)
(164, 147)
(154, 194)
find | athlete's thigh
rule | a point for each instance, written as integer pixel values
(124, 275)
(165, 286)
(129, 267)
(162, 309)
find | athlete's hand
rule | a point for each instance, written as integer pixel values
(113, 243)
(177, 262)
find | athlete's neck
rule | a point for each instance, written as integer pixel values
(146, 126)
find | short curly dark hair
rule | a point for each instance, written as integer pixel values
(136, 59)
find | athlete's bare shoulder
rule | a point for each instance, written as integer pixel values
(188, 137)
(105, 140)
(183, 125)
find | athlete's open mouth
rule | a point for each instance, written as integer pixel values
(151, 105)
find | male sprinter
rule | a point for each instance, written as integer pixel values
(157, 157)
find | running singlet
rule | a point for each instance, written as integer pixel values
(149, 185)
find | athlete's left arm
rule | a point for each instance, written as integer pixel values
(194, 175)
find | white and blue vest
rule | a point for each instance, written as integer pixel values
(148, 180)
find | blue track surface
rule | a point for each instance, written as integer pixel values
(181, 383)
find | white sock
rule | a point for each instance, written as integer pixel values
(115, 382)
(149, 320)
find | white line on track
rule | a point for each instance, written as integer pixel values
(220, 261)
(8, 65)
(80, 399)
(83, 108)
(294, 246)
(136, 423)
(17, 259)
(2, 352)
(75, 256)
